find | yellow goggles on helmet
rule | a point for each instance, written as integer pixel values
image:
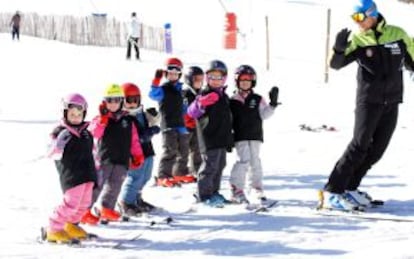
(359, 17)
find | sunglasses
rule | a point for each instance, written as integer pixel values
(212, 77)
(246, 77)
(113, 99)
(132, 99)
(75, 106)
(359, 17)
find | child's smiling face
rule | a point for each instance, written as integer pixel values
(215, 79)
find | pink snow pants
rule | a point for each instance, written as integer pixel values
(76, 202)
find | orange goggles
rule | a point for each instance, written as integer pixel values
(246, 77)
(359, 17)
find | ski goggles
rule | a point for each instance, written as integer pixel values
(132, 99)
(78, 107)
(113, 99)
(358, 17)
(173, 69)
(246, 77)
(213, 77)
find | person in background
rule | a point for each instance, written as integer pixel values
(15, 25)
(134, 33)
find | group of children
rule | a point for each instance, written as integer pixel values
(103, 181)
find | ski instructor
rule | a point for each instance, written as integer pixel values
(381, 50)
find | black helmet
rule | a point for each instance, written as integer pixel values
(190, 73)
(217, 65)
(245, 70)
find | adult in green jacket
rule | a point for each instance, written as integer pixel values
(381, 51)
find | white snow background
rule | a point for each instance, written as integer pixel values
(36, 73)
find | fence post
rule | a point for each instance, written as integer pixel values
(328, 33)
(267, 43)
(168, 38)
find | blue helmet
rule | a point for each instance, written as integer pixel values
(368, 7)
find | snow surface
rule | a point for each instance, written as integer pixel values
(36, 73)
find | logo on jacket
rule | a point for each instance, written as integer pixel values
(124, 123)
(369, 52)
(252, 104)
(394, 48)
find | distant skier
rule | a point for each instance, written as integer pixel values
(72, 150)
(134, 33)
(15, 25)
(212, 111)
(249, 110)
(380, 50)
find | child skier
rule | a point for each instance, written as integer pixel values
(194, 79)
(130, 199)
(118, 149)
(249, 110)
(72, 150)
(212, 111)
(173, 164)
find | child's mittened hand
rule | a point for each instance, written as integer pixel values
(159, 73)
(102, 109)
(208, 99)
(104, 112)
(62, 139)
(152, 111)
(273, 96)
(136, 162)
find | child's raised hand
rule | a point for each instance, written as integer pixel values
(159, 73)
(273, 96)
(208, 99)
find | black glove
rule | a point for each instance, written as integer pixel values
(273, 96)
(152, 111)
(342, 40)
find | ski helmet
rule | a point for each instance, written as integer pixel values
(190, 73)
(113, 90)
(245, 70)
(217, 65)
(368, 7)
(74, 99)
(131, 89)
(174, 63)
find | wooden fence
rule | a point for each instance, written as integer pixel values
(88, 30)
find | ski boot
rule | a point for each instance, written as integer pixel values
(185, 178)
(59, 236)
(90, 218)
(167, 182)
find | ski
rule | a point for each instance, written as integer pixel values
(258, 208)
(120, 245)
(363, 215)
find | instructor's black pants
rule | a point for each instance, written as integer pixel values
(373, 129)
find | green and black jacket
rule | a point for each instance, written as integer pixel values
(381, 53)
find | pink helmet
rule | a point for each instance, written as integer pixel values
(74, 99)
